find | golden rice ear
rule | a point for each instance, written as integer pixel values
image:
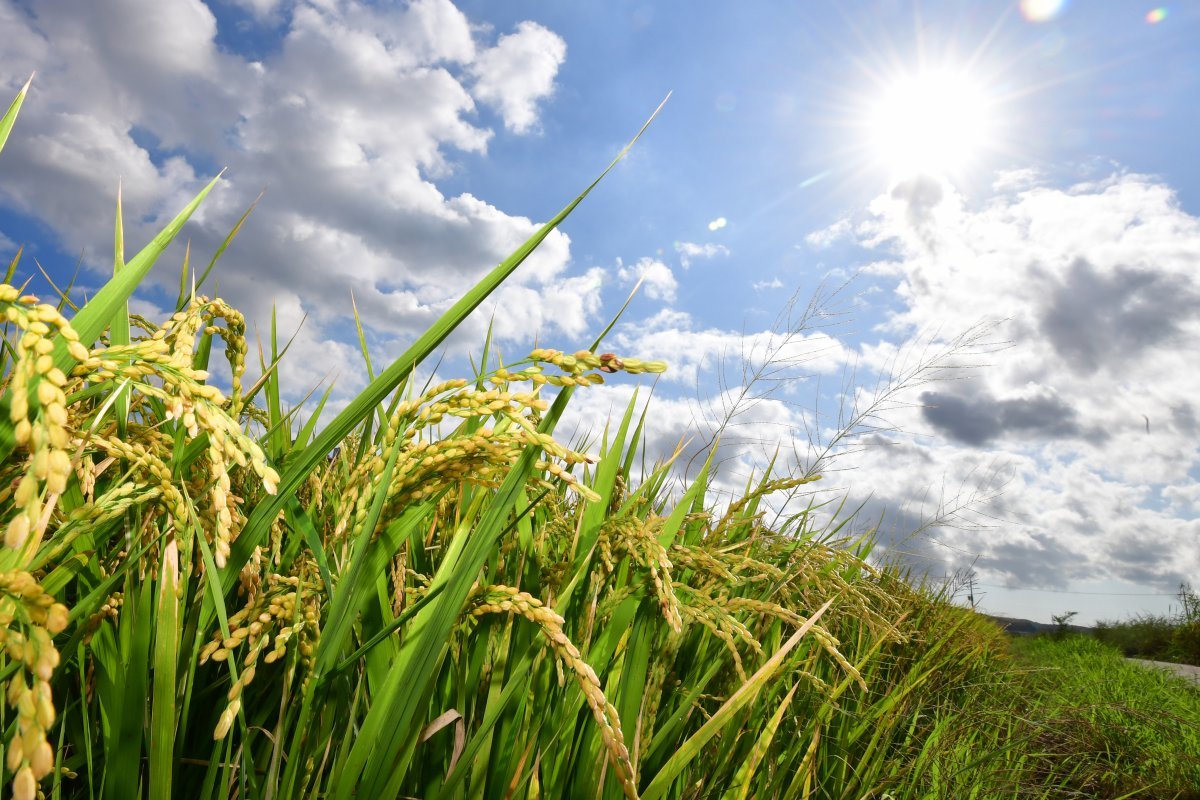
(505, 599)
(98, 313)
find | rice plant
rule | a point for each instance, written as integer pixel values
(431, 596)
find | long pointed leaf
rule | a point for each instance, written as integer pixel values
(10, 116)
(363, 405)
(119, 327)
(166, 661)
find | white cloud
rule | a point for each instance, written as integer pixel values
(717, 224)
(827, 236)
(562, 312)
(1183, 500)
(433, 31)
(762, 286)
(350, 124)
(691, 250)
(658, 281)
(695, 352)
(1017, 180)
(1039, 471)
(1098, 284)
(518, 73)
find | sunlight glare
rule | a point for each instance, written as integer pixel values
(1042, 10)
(931, 122)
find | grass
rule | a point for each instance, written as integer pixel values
(1067, 718)
(433, 596)
(1132, 728)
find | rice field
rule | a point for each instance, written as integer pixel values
(433, 595)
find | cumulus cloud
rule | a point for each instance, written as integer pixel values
(1183, 500)
(1091, 408)
(694, 351)
(658, 281)
(518, 73)
(1096, 318)
(978, 418)
(350, 123)
(691, 250)
(920, 198)
(829, 235)
(717, 224)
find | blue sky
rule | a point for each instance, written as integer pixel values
(1026, 166)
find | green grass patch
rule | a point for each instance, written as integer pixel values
(1067, 718)
(1136, 729)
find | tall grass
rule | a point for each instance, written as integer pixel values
(431, 597)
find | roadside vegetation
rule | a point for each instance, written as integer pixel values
(1064, 718)
(1110, 727)
(433, 596)
(1172, 637)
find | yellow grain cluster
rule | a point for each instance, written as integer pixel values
(38, 410)
(286, 609)
(29, 617)
(58, 439)
(638, 539)
(498, 425)
(160, 366)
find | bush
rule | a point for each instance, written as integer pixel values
(1144, 636)
(1156, 637)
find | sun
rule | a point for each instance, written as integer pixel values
(934, 122)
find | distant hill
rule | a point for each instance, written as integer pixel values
(1027, 627)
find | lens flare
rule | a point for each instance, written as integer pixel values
(1042, 10)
